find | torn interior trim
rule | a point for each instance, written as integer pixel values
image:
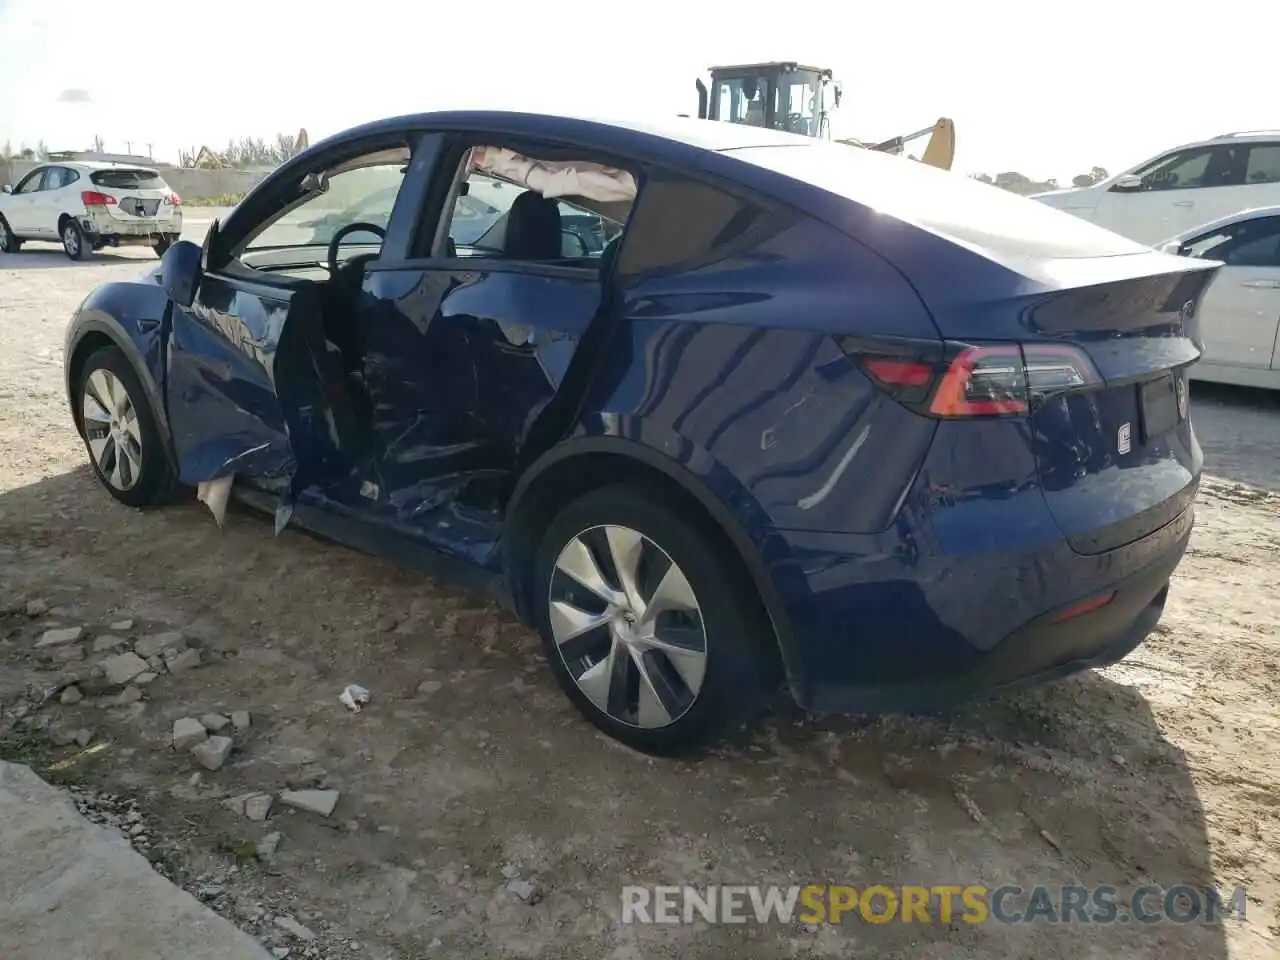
(215, 494)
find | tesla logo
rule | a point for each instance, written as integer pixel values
(1180, 387)
(1123, 438)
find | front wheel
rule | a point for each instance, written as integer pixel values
(120, 431)
(652, 628)
(8, 242)
(74, 241)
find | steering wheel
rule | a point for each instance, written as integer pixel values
(343, 233)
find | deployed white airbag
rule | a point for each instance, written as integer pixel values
(550, 178)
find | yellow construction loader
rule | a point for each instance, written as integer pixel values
(784, 95)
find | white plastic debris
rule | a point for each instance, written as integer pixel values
(354, 697)
(214, 494)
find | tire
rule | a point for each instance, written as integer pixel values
(143, 477)
(740, 667)
(74, 243)
(8, 242)
(161, 245)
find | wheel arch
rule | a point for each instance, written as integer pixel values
(90, 331)
(576, 466)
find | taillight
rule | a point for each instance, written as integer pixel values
(979, 380)
(92, 198)
(173, 200)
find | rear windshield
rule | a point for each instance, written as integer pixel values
(996, 222)
(128, 179)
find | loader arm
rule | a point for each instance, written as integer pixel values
(939, 152)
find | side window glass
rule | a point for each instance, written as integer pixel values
(56, 178)
(1251, 243)
(1264, 164)
(684, 223)
(516, 207)
(32, 182)
(1181, 171)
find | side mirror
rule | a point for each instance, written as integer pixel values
(1127, 184)
(180, 272)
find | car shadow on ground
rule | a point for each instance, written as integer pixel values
(468, 759)
(51, 256)
(1239, 432)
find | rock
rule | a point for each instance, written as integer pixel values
(240, 719)
(209, 891)
(526, 890)
(510, 872)
(428, 687)
(71, 695)
(194, 779)
(257, 807)
(68, 652)
(122, 625)
(280, 953)
(58, 635)
(188, 732)
(37, 608)
(128, 695)
(268, 845)
(123, 667)
(213, 752)
(62, 737)
(96, 671)
(292, 926)
(183, 660)
(236, 804)
(83, 737)
(155, 664)
(214, 722)
(317, 801)
(143, 679)
(157, 643)
(107, 642)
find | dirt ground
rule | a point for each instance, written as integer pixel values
(1164, 769)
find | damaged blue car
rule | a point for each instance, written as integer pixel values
(712, 407)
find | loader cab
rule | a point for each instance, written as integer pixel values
(781, 96)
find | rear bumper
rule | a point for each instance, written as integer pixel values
(103, 228)
(931, 648)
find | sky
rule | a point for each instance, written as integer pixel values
(1049, 90)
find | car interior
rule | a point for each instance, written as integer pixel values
(349, 347)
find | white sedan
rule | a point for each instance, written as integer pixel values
(1240, 312)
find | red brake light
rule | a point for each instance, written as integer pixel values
(92, 198)
(173, 200)
(990, 380)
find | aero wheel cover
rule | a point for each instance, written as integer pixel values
(111, 429)
(71, 239)
(628, 626)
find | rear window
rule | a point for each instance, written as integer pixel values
(994, 221)
(128, 179)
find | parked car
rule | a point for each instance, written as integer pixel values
(814, 413)
(1240, 311)
(87, 205)
(1181, 188)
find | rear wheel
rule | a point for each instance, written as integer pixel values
(8, 242)
(651, 628)
(120, 431)
(74, 241)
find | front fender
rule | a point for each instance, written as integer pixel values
(131, 315)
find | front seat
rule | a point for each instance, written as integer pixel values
(533, 228)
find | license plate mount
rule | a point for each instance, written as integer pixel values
(1158, 403)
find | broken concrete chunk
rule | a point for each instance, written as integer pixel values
(290, 925)
(69, 652)
(151, 646)
(188, 732)
(526, 890)
(213, 752)
(37, 608)
(83, 737)
(281, 953)
(128, 695)
(268, 846)
(123, 667)
(122, 625)
(215, 722)
(236, 804)
(59, 635)
(240, 719)
(317, 801)
(107, 642)
(428, 687)
(258, 806)
(71, 695)
(143, 679)
(184, 660)
(62, 737)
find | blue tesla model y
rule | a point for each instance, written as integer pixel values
(712, 407)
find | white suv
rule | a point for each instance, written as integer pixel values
(1181, 188)
(87, 205)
